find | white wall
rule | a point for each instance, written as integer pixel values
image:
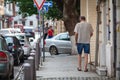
(27, 20)
(32, 18)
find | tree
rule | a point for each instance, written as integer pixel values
(71, 12)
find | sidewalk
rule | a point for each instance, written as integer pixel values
(64, 66)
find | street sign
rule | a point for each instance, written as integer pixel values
(48, 4)
(45, 9)
(39, 3)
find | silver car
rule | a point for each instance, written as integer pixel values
(6, 61)
(58, 44)
(25, 43)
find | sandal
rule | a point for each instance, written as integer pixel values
(86, 70)
(79, 69)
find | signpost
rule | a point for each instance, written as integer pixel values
(39, 5)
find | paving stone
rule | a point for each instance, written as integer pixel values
(64, 67)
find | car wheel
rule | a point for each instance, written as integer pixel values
(53, 50)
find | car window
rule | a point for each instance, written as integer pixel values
(64, 37)
(3, 45)
(16, 41)
(27, 30)
(9, 40)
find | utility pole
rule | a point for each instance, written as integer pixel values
(114, 33)
(43, 35)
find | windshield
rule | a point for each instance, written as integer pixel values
(27, 30)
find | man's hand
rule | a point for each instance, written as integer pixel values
(91, 34)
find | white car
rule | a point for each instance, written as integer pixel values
(25, 43)
(10, 31)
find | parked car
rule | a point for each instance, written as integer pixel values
(25, 43)
(58, 44)
(29, 31)
(9, 31)
(6, 61)
(33, 42)
(15, 47)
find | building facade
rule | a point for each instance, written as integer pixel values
(105, 18)
(88, 9)
(1, 11)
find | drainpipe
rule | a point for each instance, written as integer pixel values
(114, 33)
(13, 6)
(118, 40)
(97, 32)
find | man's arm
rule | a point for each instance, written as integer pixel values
(76, 37)
(91, 30)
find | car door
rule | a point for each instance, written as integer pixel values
(63, 43)
(18, 47)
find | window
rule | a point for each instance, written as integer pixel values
(15, 22)
(64, 37)
(23, 22)
(31, 23)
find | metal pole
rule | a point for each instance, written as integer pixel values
(37, 56)
(43, 35)
(27, 71)
(34, 70)
(114, 33)
(39, 41)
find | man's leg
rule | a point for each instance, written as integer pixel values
(79, 61)
(87, 51)
(79, 48)
(86, 60)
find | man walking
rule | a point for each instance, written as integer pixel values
(83, 32)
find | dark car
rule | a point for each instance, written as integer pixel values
(6, 61)
(15, 48)
(29, 31)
